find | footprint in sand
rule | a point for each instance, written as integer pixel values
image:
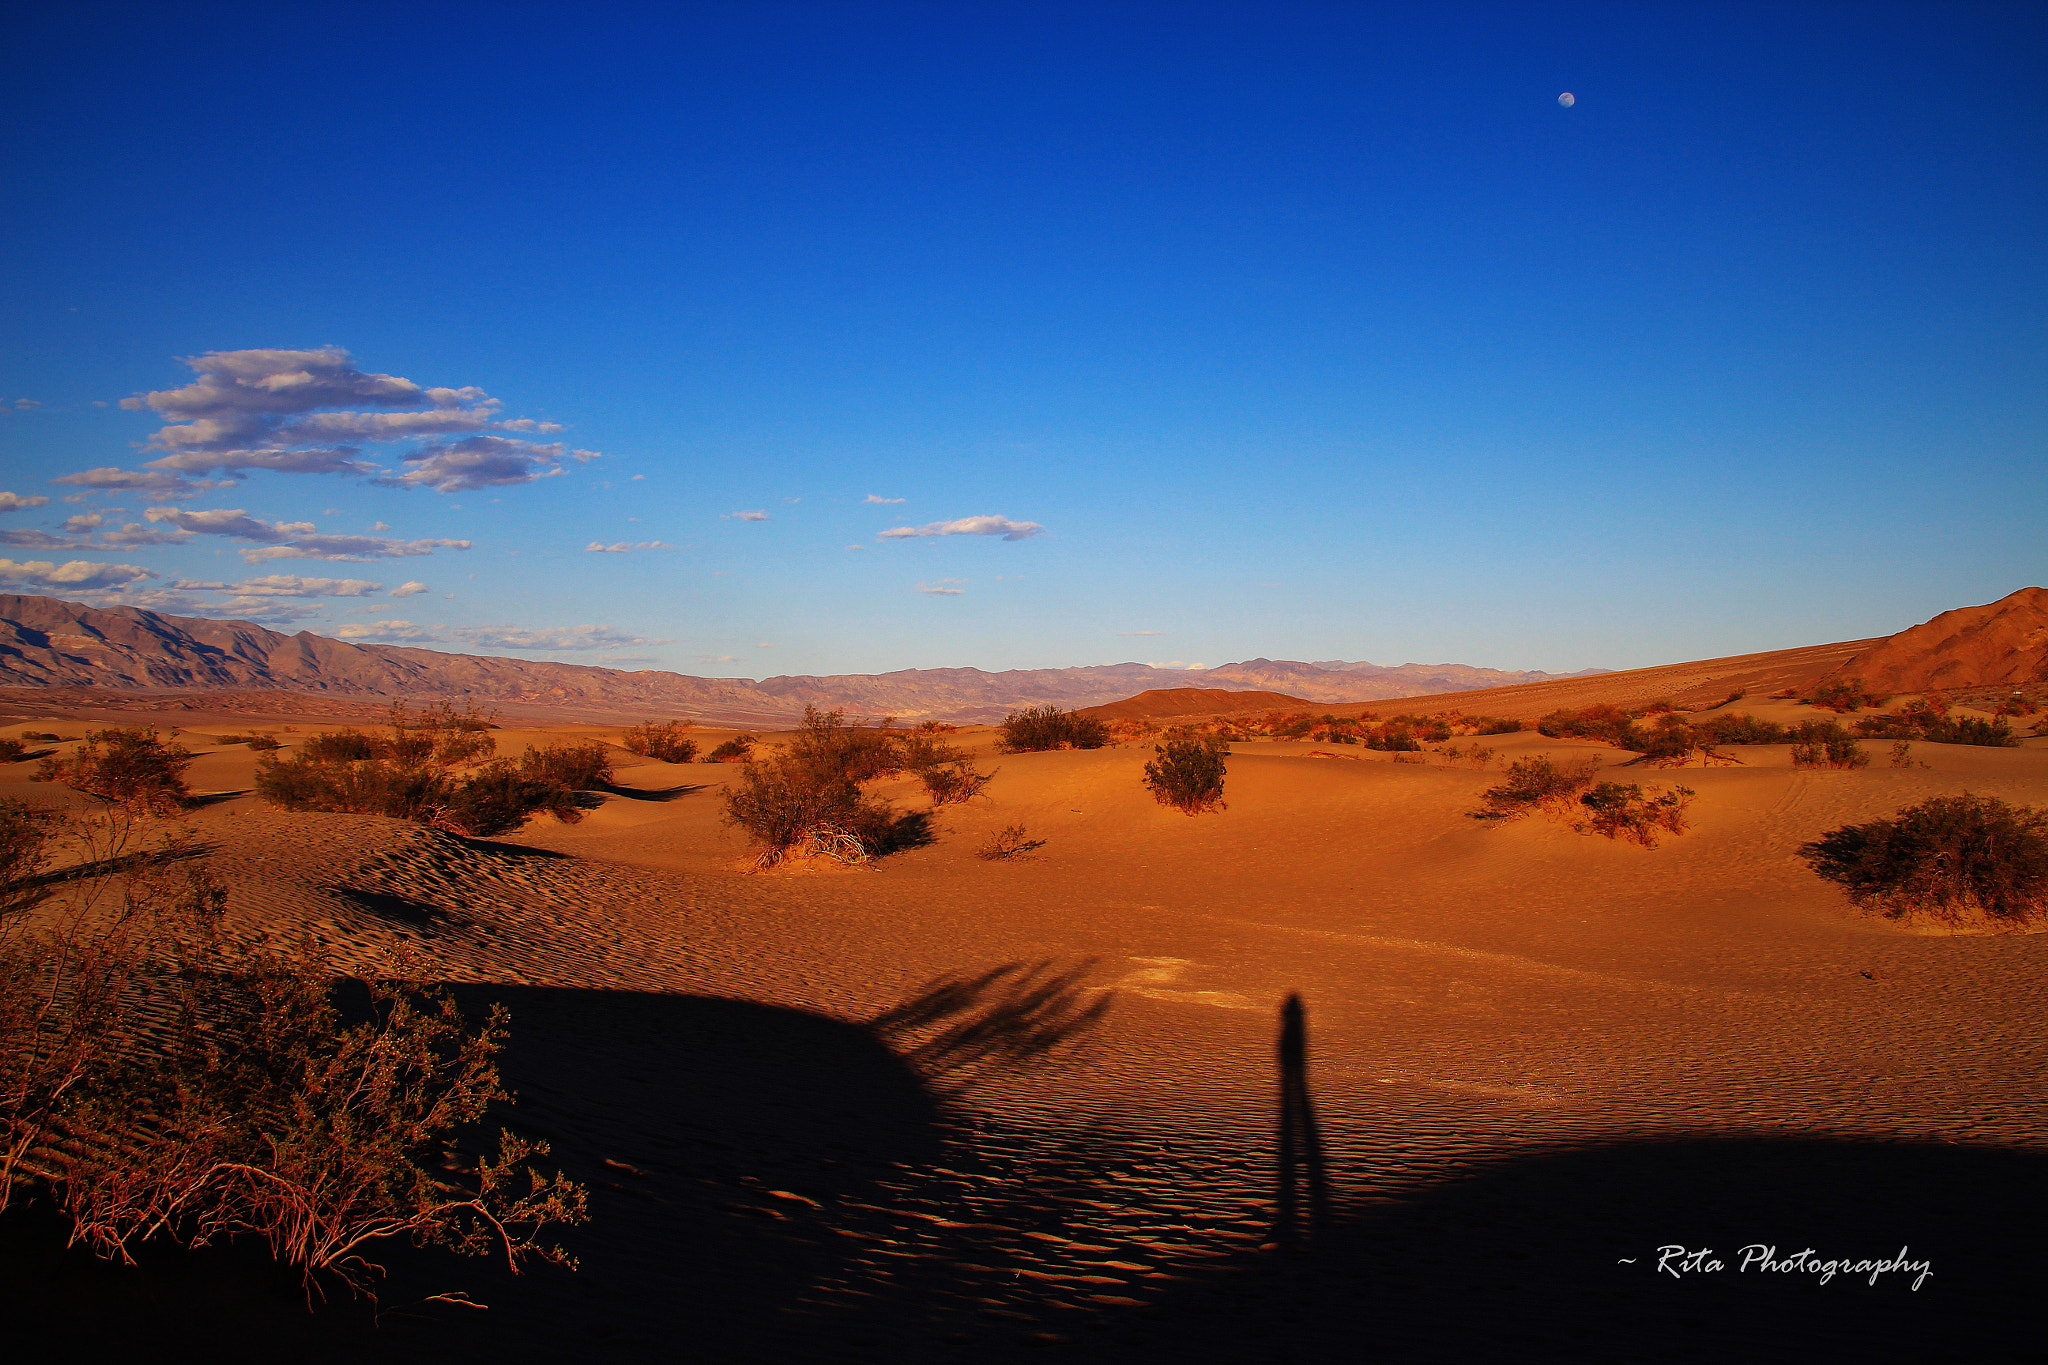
(1156, 974)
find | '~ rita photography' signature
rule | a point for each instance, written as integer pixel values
(1679, 1262)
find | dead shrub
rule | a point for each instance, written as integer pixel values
(1010, 841)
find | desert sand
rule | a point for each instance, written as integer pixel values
(1532, 1058)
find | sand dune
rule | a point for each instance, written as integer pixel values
(2004, 642)
(1530, 1053)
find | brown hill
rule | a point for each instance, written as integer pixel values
(1191, 701)
(2002, 642)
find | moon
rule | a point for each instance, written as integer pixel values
(1567, 99)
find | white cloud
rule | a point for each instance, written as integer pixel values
(76, 573)
(26, 403)
(968, 526)
(543, 638)
(386, 632)
(887, 502)
(293, 539)
(478, 462)
(718, 658)
(943, 587)
(304, 460)
(14, 502)
(411, 589)
(135, 534)
(747, 516)
(40, 540)
(621, 547)
(374, 526)
(856, 547)
(83, 522)
(1175, 665)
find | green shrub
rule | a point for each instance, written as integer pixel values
(666, 743)
(1949, 856)
(1538, 781)
(1186, 772)
(1825, 744)
(584, 766)
(1620, 810)
(128, 767)
(1940, 728)
(1040, 728)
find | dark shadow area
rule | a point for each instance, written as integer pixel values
(664, 794)
(1303, 1178)
(1553, 1256)
(396, 909)
(912, 829)
(966, 1024)
(205, 799)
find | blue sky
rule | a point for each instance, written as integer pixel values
(1317, 331)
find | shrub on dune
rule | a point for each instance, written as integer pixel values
(738, 749)
(127, 766)
(584, 766)
(807, 797)
(1825, 744)
(1949, 856)
(1538, 782)
(1620, 810)
(667, 743)
(1040, 728)
(1186, 772)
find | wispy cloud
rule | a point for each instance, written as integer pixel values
(293, 539)
(155, 482)
(288, 585)
(14, 502)
(76, 573)
(482, 462)
(1174, 664)
(943, 588)
(746, 516)
(887, 502)
(968, 526)
(411, 589)
(621, 547)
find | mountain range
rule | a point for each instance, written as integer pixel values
(46, 642)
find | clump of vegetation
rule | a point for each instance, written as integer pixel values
(584, 766)
(1902, 754)
(1844, 694)
(438, 769)
(738, 749)
(2018, 704)
(1950, 856)
(159, 1083)
(1925, 720)
(12, 750)
(1496, 725)
(1478, 755)
(1620, 810)
(1008, 842)
(947, 771)
(1538, 782)
(1040, 728)
(1604, 722)
(127, 766)
(1825, 744)
(806, 797)
(1186, 772)
(667, 742)
(1739, 728)
(259, 742)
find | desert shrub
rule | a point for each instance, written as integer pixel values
(1496, 725)
(1294, 727)
(666, 742)
(1940, 728)
(42, 737)
(1040, 728)
(809, 791)
(1434, 729)
(1620, 810)
(738, 749)
(498, 798)
(1902, 754)
(12, 750)
(1740, 728)
(346, 745)
(1538, 781)
(369, 787)
(1825, 744)
(583, 766)
(936, 727)
(831, 746)
(2018, 704)
(1007, 842)
(131, 766)
(1843, 694)
(947, 771)
(1602, 721)
(1186, 772)
(1948, 856)
(261, 743)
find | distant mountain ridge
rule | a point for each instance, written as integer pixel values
(47, 642)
